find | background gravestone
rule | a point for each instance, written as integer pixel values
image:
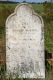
(25, 43)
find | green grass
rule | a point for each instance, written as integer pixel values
(38, 8)
(49, 36)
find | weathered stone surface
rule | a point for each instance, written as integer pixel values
(25, 43)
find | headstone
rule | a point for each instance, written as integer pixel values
(25, 43)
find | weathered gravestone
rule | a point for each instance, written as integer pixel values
(25, 43)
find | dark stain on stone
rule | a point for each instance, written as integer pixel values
(29, 46)
(30, 39)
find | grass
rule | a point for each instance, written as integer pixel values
(38, 8)
(49, 36)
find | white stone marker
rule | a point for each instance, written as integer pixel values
(25, 43)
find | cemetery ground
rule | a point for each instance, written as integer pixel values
(5, 11)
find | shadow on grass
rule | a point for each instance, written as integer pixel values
(47, 65)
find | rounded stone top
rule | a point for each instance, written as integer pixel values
(23, 8)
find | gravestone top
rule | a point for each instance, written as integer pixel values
(25, 43)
